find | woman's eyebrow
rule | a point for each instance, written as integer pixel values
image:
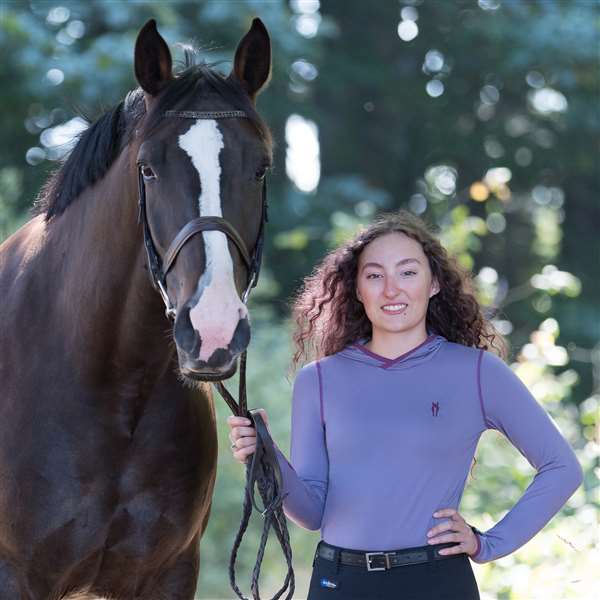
(400, 262)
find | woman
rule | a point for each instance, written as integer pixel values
(386, 421)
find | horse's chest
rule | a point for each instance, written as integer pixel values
(144, 514)
(99, 501)
(163, 495)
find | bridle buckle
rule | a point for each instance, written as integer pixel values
(170, 311)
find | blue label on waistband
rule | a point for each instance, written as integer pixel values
(327, 583)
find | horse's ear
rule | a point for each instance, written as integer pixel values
(252, 63)
(152, 59)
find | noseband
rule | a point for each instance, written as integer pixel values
(263, 471)
(159, 268)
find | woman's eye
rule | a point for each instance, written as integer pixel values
(147, 172)
(375, 275)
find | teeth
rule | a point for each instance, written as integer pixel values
(394, 307)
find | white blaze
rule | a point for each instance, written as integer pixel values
(219, 308)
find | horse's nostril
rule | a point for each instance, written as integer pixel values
(241, 337)
(186, 337)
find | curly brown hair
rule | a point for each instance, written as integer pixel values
(329, 317)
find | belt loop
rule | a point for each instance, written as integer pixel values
(316, 553)
(430, 553)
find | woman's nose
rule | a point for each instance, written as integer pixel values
(390, 291)
(390, 288)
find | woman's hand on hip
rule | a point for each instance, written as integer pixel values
(454, 530)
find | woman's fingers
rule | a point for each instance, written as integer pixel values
(458, 531)
(456, 525)
(243, 436)
(239, 432)
(448, 537)
(234, 421)
(244, 442)
(445, 526)
(242, 454)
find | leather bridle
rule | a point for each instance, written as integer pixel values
(160, 267)
(263, 470)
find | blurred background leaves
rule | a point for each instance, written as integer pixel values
(481, 116)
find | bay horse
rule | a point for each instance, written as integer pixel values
(108, 445)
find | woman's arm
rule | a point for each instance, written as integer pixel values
(509, 407)
(305, 479)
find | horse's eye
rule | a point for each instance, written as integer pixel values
(147, 172)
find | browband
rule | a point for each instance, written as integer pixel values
(206, 114)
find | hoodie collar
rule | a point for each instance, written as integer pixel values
(424, 351)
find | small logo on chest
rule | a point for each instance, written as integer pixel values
(435, 409)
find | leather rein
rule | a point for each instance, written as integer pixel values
(263, 470)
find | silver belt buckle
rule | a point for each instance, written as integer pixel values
(368, 557)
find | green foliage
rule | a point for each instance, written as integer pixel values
(11, 184)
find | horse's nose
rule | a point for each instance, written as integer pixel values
(212, 328)
(221, 362)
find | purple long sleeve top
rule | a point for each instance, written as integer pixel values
(378, 445)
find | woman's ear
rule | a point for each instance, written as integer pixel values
(358, 296)
(435, 287)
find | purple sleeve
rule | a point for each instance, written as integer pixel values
(305, 479)
(509, 407)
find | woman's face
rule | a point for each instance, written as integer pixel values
(394, 283)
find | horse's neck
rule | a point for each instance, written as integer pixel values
(111, 306)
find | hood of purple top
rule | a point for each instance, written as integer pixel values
(421, 353)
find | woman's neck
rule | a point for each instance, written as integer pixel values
(394, 344)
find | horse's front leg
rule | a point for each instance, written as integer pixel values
(178, 581)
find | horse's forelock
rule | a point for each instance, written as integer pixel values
(181, 89)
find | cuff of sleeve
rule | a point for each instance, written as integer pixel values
(479, 546)
(287, 471)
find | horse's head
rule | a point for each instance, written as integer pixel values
(192, 165)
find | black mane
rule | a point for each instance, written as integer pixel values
(101, 143)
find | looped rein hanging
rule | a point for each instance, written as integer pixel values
(263, 471)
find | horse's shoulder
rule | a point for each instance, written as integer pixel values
(22, 246)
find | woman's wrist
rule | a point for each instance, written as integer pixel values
(477, 533)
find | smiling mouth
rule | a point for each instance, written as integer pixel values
(394, 309)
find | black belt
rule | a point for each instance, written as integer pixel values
(381, 561)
